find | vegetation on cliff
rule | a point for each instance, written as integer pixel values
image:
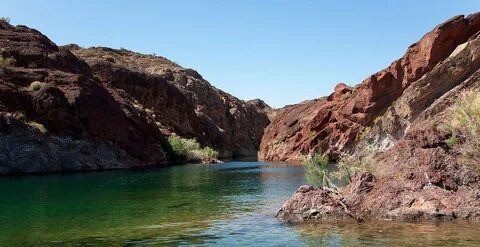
(464, 128)
(190, 149)
(6, 61)
(36, 85)
(403, 165)
(102, 108)
(316, 169)
(342, 170)
(334, 124)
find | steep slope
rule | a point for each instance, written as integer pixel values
(333, 124)
(61, 113)
(425, 101)
(417, 172)
(88, 125)
(216, 118)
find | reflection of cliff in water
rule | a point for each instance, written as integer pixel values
(158, 205)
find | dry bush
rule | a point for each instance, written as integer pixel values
(7, 61)
(465, 129)
(36, 85)
(350, 165)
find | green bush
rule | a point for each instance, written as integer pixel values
(316, 169)
(210, 153)
(350, 165)
(452, 140)
(36, 85)
(191, 149)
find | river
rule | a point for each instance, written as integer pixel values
(229, 204)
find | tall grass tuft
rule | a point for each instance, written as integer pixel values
(316, 168)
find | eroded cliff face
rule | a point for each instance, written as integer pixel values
(416, 173)
(100, 108)
(335, 123)
(215, 118)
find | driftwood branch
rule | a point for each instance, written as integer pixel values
(337, 197)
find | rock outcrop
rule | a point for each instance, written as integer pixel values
(215, 118)
(333, 124)
(71, 109)
(417, 174)
(420, 180)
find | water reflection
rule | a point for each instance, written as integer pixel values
(168, 205)
(231, 204)
(386, 233)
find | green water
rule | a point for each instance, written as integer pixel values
(231, 204)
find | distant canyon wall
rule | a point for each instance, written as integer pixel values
(73, 109)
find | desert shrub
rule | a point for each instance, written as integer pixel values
(7, 61)
(363, 133)
(5, 19)
(452, 140)
(349, 165)
(36, 85)
(191, 149)
(210, 153)
(183, 147)
(465, 129)
(377, 119)
(316, 169)
(38, 126)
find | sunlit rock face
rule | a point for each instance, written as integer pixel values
(334, 124)
(417, 172)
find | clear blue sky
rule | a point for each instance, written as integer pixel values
(281, 51)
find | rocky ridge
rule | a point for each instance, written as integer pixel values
(417, 174)
(214, 118)
(70, 109)
(335, 123)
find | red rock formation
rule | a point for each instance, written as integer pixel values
(81, 116)
(181, 101)
(332, 124)
(103, 114)
(415, 172)
(436, 188)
